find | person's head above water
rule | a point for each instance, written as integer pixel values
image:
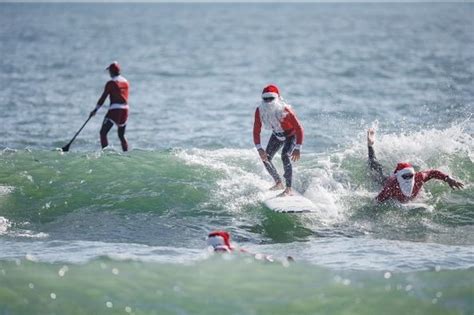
(270, 93)
(220, 241)
(405, 174)
(114, 69)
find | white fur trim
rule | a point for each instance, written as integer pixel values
(406, 170)
(258, 146)
(269, 94)
(298, 147)
(118, 106)
(119, 78)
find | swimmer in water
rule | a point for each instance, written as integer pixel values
(404, 184)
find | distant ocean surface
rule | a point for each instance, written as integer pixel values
(103, 232)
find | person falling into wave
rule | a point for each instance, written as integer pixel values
(287, 132)
(117, 90)
(219, 242)
(404, 184)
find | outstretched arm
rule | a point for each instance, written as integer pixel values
(373, 163)
(430, 174)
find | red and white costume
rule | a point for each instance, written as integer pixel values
(220, 241)
(277, 116)
(117, 90)
(404, 190)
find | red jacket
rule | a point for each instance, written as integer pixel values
(391, 188)
(290, 125)
(117, 89)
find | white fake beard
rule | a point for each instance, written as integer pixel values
(272, 113)
(406, 185)
(215, 241)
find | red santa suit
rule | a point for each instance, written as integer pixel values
(219, 241)
(283, 122)
(117, 90)
(405, 183)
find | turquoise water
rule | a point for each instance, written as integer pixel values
(231, 286)
(96, 232)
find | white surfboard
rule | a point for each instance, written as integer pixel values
(417, 206)
(296, 203)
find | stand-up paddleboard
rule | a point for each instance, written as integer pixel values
(296, 203)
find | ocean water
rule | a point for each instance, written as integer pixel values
(99, 232)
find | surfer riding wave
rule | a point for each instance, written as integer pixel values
(287, 132)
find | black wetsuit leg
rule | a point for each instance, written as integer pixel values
(376, 168)
(272, 147)
(123, 140)
(106, 126)
(288, 148)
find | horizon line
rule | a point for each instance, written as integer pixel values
(232, 1)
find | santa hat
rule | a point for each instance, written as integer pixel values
(114, 67)
(402, 166)
(270, 91)
(220, 240)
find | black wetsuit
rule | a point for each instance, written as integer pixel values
(376, 167)
(273, 146)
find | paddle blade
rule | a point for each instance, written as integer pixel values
(66, 147)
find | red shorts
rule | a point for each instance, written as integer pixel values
(118, 116)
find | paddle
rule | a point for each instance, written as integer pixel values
(66, 147)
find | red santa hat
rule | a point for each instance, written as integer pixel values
(270, 91)
(402, 166)
(220, 240)
(114, 67)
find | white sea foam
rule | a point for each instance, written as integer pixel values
(242, 182)
(426, 148)
(5, 190)
(326, 180)
(4, 225)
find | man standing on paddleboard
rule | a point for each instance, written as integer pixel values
(276, 115)
(404, 184)
(117, 90)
